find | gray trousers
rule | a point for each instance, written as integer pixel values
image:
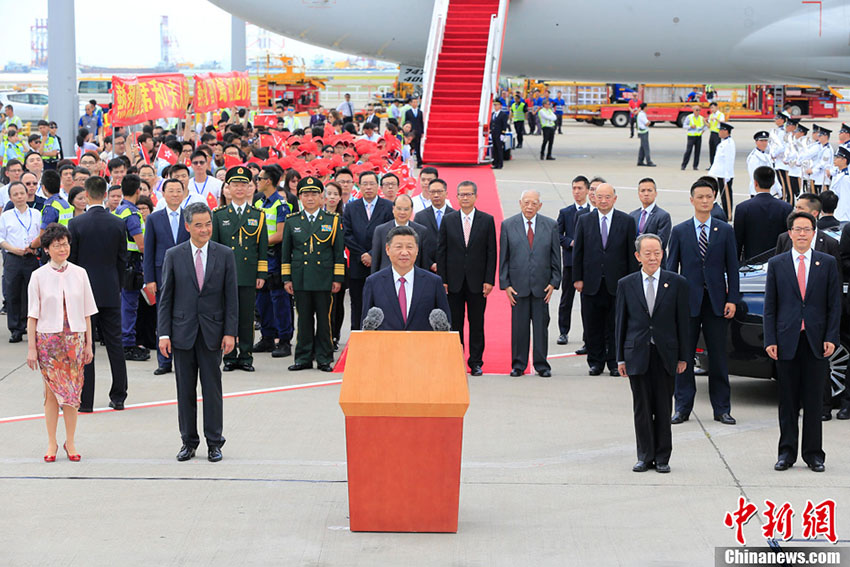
(529, 311)
(643, 152)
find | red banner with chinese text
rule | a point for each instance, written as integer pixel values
(221, 90)
(148, 97)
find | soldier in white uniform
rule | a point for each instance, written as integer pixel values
(759, 157)
(844, 136)
(841, 183)
(723, 166)
(778, 145)
(810, 152)
(798, 141)
(822, 162)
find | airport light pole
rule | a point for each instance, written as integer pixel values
(237, 44)
(62, 71)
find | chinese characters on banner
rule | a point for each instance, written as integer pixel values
(148, 97)
(221, 90)
(817, 520)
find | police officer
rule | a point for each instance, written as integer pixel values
(133, 275)
(312, 267)
(695, 125)
(273, 303)
(518, 110)
(242, 227)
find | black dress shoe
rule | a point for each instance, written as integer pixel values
(16, 337)
(550, 158)
(336, 345)
(679, 417)
(301, 366)
(186, 453)
(614, 372)
(662, 468)
(85, 410)
(117, 406)
(650, 164)
(230, 366)
(640, 466)
(246, 366)
(817, 467)
(324, 367)
(595, 370)
(683, 168)
(545, 373)
(214, 454)
(265, 344)
(641, 164)
(826, 416)
(475, 371)
(282, 350)
(843, 413)
(162, 370)
(582, 350)
(562, 339)
(725, 419)
(781, 465)
(516, 372)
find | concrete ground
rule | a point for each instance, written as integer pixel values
(546, 476)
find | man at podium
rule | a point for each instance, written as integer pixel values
(404, 293)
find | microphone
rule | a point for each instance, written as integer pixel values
(439, 321)
(374, 318)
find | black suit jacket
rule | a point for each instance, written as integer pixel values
(427, 218)
(358, 230)
(428, 294)
(592, 263)
(185, 310)
(499, 124)
(99, 244)
(158, 239)
(658, 223)
(474, 263)
(822, 242)
(416, 122)
(718, 213)
(567, 218)
(825, 222)
(758, 222)
(785, 310)
(844, 247)
(427, 246)
(667, 326)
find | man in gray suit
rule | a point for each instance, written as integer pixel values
(650, 218)
(402, 210)
(198, 320)
(529, 271)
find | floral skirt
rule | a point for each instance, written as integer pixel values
(60, 356)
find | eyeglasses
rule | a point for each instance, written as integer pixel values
(31, 183)
(802, 230)
(464, 195)
(35, 142)
(199, 163)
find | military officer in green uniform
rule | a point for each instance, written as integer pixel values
(312, 268)
(242, 227)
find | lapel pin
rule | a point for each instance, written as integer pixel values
(817, 263)
(715, 229)
(666, 285)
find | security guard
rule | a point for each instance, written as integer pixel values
(313, 267)
(243, 228)
(518, 110)
(715, 117)
(274, 305)
(695, 124)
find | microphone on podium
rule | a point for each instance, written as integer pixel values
(439, 321)
(374, 318)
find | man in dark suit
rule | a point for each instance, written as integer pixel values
(498, 126)
(761, 219)
(811, 203)
(197, 320)
(466, 261)
(406, 294)
(359, 219)
(432, 216)
(164, 229)
(567, 219)
(602, 254)
(529, 271)
(99, 245)
(402, 209)
(829, 202)
(650, 218)
(414, 117)
(652, 346)
(703, 248)
(802, 315)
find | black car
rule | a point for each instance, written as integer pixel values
(745, 340)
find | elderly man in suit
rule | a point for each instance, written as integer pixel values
(529, 271)
(649, 217)
(402, 209)
(197, 321)
(802, 316)
(406, 294)
(603, 253)
(99, 244)
(760, 220)
(164, 229)
(652, 346)
(703, 248)
(466, 261)
(359, 219)
(567, 219)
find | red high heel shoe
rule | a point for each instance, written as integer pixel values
(50, 458)
(74, 458)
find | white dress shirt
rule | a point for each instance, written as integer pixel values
(471, 217)
(239, 208)
(645, 277)
(204, 252)
(610, 217)
(408, 286)
(525, 223)
(807, 255)
(20, 229)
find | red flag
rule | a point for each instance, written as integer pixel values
(329, 130)
(267, 120)
(279, 139)
(231, 161)
(266, 140)
(167, 154)
(144, 154)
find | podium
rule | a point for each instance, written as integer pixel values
(404, 395)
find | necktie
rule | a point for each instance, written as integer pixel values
(402, 299)
(642, 222)
(467, 228)
(369, 211)
(530, 236)
(439, 215)
(801, 281)
(650, 294)
(604, 232)
(174, 225)
(199, 269)
(310, 218)
(703, 241)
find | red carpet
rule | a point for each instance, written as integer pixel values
(497, 319)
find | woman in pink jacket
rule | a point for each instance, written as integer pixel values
(61, 304)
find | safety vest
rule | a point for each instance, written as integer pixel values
(695, 125)
(714, 121)
(272, 212)
(518, 111)
(18, 152)
(66, 211)
(123, 214)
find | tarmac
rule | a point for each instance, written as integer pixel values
(546, 475)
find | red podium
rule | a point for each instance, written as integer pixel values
(404, 395)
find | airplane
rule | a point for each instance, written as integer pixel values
(760, 41)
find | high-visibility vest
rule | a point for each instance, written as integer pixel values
(518, 111)
(714, 121)
(123, 213)
(273, 213)
(66, 211)
(695, 125)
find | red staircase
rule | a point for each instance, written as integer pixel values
(453, 129)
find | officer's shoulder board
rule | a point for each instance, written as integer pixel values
(293, 214)
(219, 208)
